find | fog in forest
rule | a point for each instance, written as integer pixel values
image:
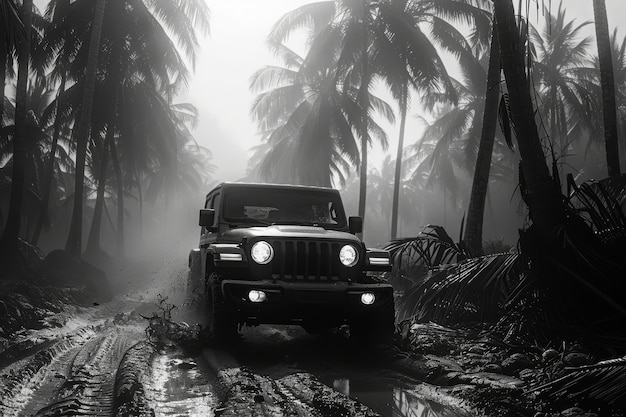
(476, 145)
(227, 141)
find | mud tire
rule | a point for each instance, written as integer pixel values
(195, 292)
(221, 322)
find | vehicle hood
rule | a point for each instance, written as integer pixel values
(287, 231)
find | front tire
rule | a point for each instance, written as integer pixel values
(221, 323)
(194, 295)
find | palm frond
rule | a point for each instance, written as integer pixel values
(314, 15)
(415, 257)
(473, 290)
(600, 202)
(604, 381)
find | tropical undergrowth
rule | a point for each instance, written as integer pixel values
(165, 332)
(568, 287)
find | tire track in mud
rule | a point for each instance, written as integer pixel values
(88, 388)
(130, 393)
(248, 394)
(73, 376)
(19, 380)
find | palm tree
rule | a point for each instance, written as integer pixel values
(594, 84)
(308, 120)
(569, 263)
(160, 62)
(607, 81)
(441, 150)
(409, 60)
(560, 71)
(139, 43)
(370, 39)
(542, 197)
(11, 34)
(451, 142)
(473, 235)
(39, 157)
(192, 170)
(382, 188)
(9, 243)
(341, 29)
(58, 106)
(74, 239)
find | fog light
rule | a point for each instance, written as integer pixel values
(257, 296)
(368, 298)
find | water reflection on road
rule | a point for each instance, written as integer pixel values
(179, 387)
(280, 350)
(391, 401)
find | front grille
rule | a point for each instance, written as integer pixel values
(305, 260)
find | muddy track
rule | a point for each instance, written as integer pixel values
(20, 379)
(75, 375)
(112, 370)
(98, 362)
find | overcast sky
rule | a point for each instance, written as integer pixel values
(236, 49)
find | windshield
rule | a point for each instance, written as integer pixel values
(283, 206)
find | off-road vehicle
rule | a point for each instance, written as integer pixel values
(286, 254)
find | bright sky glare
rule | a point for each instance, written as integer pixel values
(236, 49)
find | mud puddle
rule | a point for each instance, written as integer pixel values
(336, 362)
(385, 397)
(180, 385)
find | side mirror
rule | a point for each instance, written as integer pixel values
(207, 217)
(355, 224)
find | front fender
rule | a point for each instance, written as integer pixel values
(226, 256)
(377, 260)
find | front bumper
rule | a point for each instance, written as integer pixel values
(294, 303)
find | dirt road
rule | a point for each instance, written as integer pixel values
(98, 362)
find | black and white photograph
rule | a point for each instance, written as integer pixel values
(313, 208)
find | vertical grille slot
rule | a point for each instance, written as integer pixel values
(304, 260)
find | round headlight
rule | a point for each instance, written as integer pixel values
(262, 252)
(348, 255)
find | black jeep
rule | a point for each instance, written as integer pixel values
(287, 255)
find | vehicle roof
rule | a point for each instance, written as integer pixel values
(228, 184)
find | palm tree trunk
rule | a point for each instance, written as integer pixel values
(541, 195)
(3, 74)
(571, 265)
(607, 83)
(120, 199)
(364, 103)
(363, 172)
(480, 182)
(93, 243)
(397, 180)
(9, 243)
(140, 191)
(140, 198)
(74, 239)
(50, 171)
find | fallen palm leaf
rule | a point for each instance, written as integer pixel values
(604, 382)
